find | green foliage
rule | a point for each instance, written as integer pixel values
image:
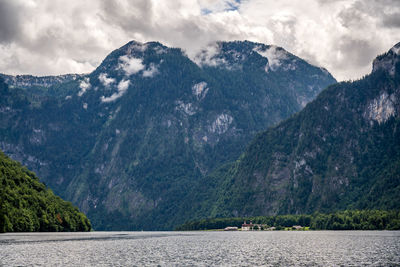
(27, 205)
(340, 220)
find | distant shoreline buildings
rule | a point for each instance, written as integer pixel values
(257, 227)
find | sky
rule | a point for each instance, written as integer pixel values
(52, 37)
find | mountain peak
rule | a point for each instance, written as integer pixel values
(234, 54)
(388, 61)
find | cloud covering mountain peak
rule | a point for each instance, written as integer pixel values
(54, 37)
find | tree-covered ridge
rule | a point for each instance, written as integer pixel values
(27, 205)
(342, 220)
(342, 151)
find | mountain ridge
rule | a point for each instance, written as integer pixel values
(130, 139)
(339, 152)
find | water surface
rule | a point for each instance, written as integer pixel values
(296, 248)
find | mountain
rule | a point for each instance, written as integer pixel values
(34, 82)
(27, 205)
(342, 151)
(128, 142)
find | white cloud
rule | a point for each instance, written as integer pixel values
(208, 56)
(139, 47)
(111, 98)
(84, 85)
(106, 81)
(274, 56)
(71, 36)
(122, 86)
(130, 65)
(150, 71)
(159, 50)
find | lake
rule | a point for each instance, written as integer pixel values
(279, 248)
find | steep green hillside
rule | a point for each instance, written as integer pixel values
(342, 151)
(127, 142)
(27, 205)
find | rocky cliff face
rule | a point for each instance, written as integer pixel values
(127, 142)
(340, 152)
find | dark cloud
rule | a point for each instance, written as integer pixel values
(357, 52)
(387, 12)
(137, 16)
(9, 21)
(392, 20)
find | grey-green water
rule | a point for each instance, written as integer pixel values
(312, 248)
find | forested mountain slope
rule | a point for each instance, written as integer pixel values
(26, 204)
(342, 151)
(127, 142)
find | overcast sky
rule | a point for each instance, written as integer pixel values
(49, 37)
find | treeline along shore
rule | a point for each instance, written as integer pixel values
(340, 220)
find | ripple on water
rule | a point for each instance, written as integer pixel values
(323, 248)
